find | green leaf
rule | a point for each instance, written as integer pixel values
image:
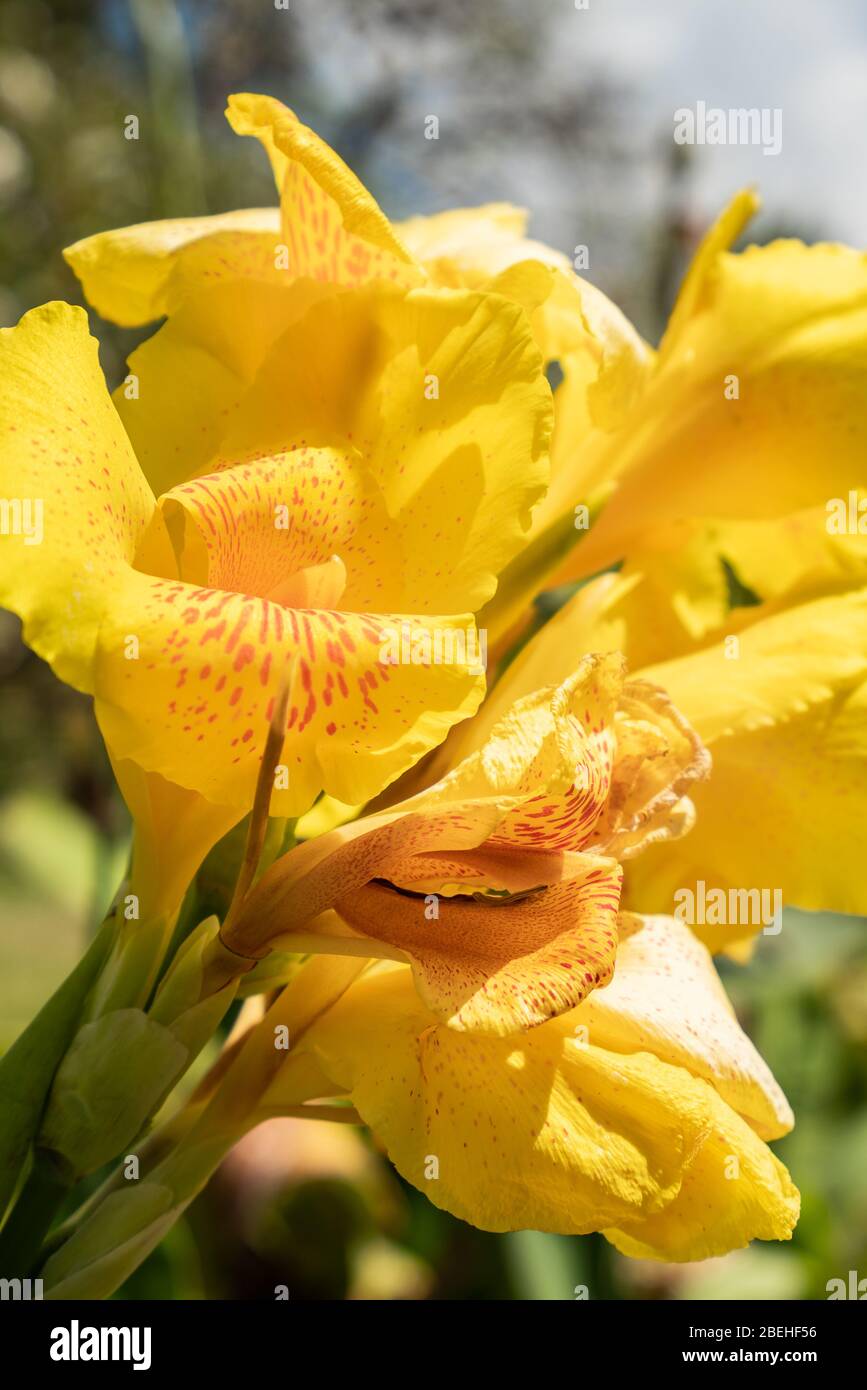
(27, 1070)
(114, 1076)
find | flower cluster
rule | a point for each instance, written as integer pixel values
(338, 450)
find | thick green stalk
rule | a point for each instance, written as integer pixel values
(28, 1068)
(42, 1195)
(131, 1217)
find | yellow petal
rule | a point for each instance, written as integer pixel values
(327, 814)
(666, 998)
(187, 380)
(532, 1131)
(185, 673)
(786, 560)
(136, 274)
(651, 754)
(196, 705)
(698, 281)
(784, 720)
(441, 396)
(681, 597)
(420, 499)
(734, 1191)
(549, 1131)
(472, 246)
(467, 246)
(329, 229)
(605, 366)
(784, 327)
(333, 228)
(605, 371)
(486, 247)
(550, 755)
(658, 758)
(68, 474)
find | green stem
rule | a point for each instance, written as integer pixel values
(41, 1197)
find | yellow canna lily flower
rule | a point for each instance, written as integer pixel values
(222, 282)
(778, 696)
(343, 509)
(501, 882)
(752, 413)
(642, 1112)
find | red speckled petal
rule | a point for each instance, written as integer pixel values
(552, 753)
(195, 703)
(258, 526)
(333, 228)
(68, 474)
(500, 967)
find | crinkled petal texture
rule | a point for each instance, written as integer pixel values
(621, 1120)
(437, 400)
(780, 703)
(330, 229)
(441, 397)
(512, 821)
(527, 824)
(344, 508)
(652, 755)
(222, 281)
(575, 323)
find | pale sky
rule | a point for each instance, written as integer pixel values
(509, 82)
(807, 57)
